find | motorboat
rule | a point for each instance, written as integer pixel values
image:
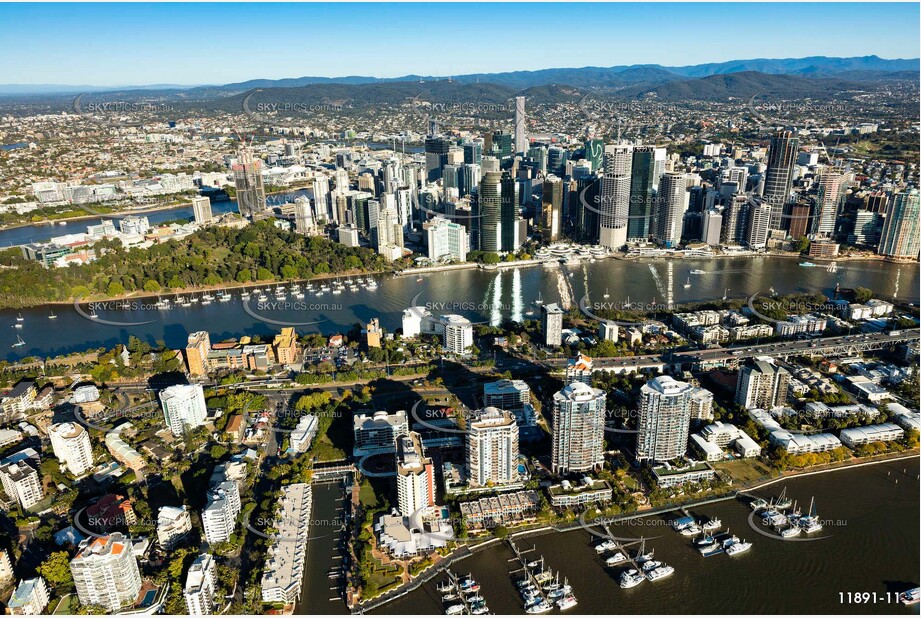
(660, 572)
(631, 578)
(615, 559)
(711, 524)
(738, 548)
(690, 530)
(608, 545)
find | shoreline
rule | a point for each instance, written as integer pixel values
(549, 528)
(124, 213)
(116, 214)
(407, 272)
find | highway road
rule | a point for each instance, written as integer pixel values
(781, 349)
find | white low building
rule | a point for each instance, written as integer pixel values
(173, 524)
(884, 432)
(796, 444)
(713, 438)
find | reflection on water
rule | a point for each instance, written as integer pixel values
(478, 294)
(872, 546)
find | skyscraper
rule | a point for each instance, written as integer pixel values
(508, 214)
(757, 224)
(642, 193)
(665, 418)
(900, 234)
(615, 195)
(551, 320)
(247, 178)
(489, 200)
(521, 137)
(828, 198)
(778, 179)
(578, 429)
(436, 157)
(594, 153)
(670, 208)
(473, 153)
(388, 235)
(551, 208)
(415, 476)
(304, 222)
(492, 447)
(201, 209)
(105, 572)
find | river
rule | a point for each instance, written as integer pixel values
(871, 545)
(481, 295)
(46, 231)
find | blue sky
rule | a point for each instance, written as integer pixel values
(119, 44)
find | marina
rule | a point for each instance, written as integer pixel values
(749, 582)
(539, 588)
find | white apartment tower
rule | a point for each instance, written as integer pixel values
(200, 584)
(201, 209)
(665, 419)
(578, 428)
(183, 407)
(21, 483)
(72, 446)
(415, 475)
(105, 572)
(492, 447)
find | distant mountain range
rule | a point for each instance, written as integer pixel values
(862, 68)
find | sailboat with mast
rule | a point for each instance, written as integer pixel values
(19, 342)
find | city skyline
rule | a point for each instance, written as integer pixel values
(62, 56)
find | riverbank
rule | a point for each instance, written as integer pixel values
(407, 272)
(93, 215)
(884, 539)
(467, 550)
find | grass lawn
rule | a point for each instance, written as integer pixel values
(367, 496)
(66, 605)
(383, 576)
(745, 470)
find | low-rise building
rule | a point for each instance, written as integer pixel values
(670, 476)
(173, 524)
(567, 494)
(29, 599)
(713, 439)
(512, 508)
(796, 324)
(284, 564)
(884, 432)
(797, 444)
(304, 433)
(19, 400)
